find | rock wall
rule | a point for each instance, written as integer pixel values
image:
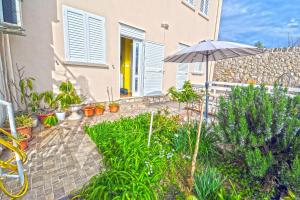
(280, 64)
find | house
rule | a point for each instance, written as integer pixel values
(106, 44)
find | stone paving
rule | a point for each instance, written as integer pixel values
(62, 159)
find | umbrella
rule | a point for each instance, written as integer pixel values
(209, 50)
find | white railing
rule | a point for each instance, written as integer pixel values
(217, 89)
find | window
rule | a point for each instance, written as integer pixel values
(198, 68)
(191, 2)
(84, 37)
(11, 12)
(204, 6)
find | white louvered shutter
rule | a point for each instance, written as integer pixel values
(153, 73)
(182, 71)
(75, 36)
(96, 39)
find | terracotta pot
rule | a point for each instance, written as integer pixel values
(89, 111)
(99, 111)
(114, 108)
(42, 118)
(24, 144)
(25, 131)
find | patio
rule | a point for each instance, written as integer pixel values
(63, 158)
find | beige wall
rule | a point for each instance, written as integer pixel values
(42, 49)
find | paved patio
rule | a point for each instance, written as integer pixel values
(62, 159)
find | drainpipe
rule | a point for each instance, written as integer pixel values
(8, 68)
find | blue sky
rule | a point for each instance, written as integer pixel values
(268, 21)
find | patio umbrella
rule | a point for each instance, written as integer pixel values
(209, 50)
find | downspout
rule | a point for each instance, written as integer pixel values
(8, 69)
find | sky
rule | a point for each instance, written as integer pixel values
(275, 23)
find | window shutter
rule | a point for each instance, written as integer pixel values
(75, 36)
(96, 39)
(206, 7)
(198, 68)
(182, 70)
(153, 75)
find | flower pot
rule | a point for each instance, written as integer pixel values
(25, 131)
(60, 115)
(114, 108)
(42, 118)
(99, 111)
(89, 111)
(24, 144)
(74, 109)
(35, 121)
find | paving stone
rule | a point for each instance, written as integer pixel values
(63, 158)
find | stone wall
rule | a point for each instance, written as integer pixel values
(280, 64)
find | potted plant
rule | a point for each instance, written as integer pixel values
(23, 140)
(89, 110)
(66, 97)
(114, 107)
(50, 121)
(34, 105)
(99, 109)
(50, 104)
(23, 125)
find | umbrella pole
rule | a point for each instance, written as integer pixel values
(206, 91)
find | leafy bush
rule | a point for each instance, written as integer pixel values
(260, 131)
(21, 121)
(134, 171)
(207, 183)
(51, 120)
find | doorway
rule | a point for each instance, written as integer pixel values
(130, 68)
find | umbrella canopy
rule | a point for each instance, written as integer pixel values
(209, 50)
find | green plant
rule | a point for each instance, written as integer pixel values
(229, 194)
(258, 163)
(261, 131)
(21, 137)
(100, 105)
(134, 170)
(34, 101)
(207, 183)
(187, 95)
(291, 175)
(21, 121)
(67, 95)
(49, 99)
(114, 103)
(51, 120)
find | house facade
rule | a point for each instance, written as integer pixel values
(108, 45)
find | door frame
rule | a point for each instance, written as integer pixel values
(140, 38)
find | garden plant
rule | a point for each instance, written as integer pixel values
(252, 151)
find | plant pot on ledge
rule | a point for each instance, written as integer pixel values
(42, 117)
(99, 109)
(23, 140)
(23, 125)
(89, 111)
(114, 107)
(74, 108)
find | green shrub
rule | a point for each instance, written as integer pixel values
(261, 131)
(258, 163)
(207, 183)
